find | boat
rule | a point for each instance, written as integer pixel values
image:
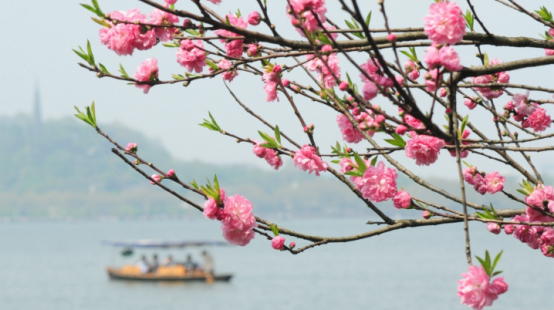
(173, 273)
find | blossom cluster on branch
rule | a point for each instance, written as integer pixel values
(209, 45)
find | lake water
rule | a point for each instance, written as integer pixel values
(61, 266)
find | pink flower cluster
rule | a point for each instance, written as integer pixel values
(528, 113)
(373, 69)
(500, 77)
(424, 149)
(271, 78)
(270, 155)
(324, 74)
(477, 291)
(146, 72)
(237, 220)
(301, 14)
(191, 56)
(536, 237)
(233, 47)
(159, 17)
(491, 182)
(412, 69)
(307, 160)
(445, 56)
(445, 23)
(379, 184)
(367, 121)
(123, 38)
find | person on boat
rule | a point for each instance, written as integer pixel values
(168, 261)
(142, 264)
(189, 264)
(208, 263)
(155, 264)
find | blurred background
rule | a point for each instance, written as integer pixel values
(62, 191)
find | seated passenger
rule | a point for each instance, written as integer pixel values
(189, 264)
(154, 265)
(168, 261)
(142, 264)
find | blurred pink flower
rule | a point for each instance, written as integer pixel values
(378, 183)
(146, 72)
(277, 242)
(402, 200)
(159, 17)
(445, 23)
(254, 18)
(307, 160)
(191, 56)
(475, 289)
(424, 149)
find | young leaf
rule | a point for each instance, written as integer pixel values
(97, 7)
(399, 139)
(216, 185)
(274, 229)
(90, 8)
(84, 56)
(496, 260)
(368, 19)
(374, 161)
(103, 68)
(464, 124)
(470, 19)
(123, 72)
(362, 167)
(354, 173)
(335, 161)
(486, 59)
(93, 110)
(277, 134)
(194, 184)
(90, 55)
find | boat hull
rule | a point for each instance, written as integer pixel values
(151, 277)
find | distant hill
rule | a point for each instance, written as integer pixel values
(63, 169)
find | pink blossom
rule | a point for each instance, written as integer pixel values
(510, 106)
(433, 79)
(292, 245)
(170, 2)
(509, 229)
(475, 289)
(400, 129)
(233, 48)
(254, 18)
(443, 92)
(538, 120)
(370, 90)
(468, 102)
(259, 150)
(463, 153)
(271, 80)
(479, 184)
(307, 160)
(378, 183)
(432, 57)
(345, 165)
(170, 173)
(253, 50)
(494, 182)
(159, 17)
(399, 79)
(131, 148)
(277, 242)
(547, 250)
(523, 105)
(449, 59)
(191, 56)
(239, 221)
(228, 75)
(413, 122)
(343, 85)
(349, 133)
(146, 72)
(493, 228)
(391, 37)
(528, 235)
(367, 123)
(543, 199)
(402, 200)
(156, 178)
(123, 38)
(302, 14)
(549, 52)
(211, 208)
(372, 68)
(412, 69)
(318, 65)
(445, 23)
(500, 77)
(469, 173)
(424, 149)
(273, 159)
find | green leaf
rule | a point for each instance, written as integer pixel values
(172, 44)
(97, 7)
(335, 161)
(409, 55)
(486, 59)
(277, 134)
(193, 32)
(468, 165)
(101, 22)
(483, 263)
(494, 211)
(368, 19)
(522, 192)
(349, 24)
(216, 186)
(274, 229)
(84, 56)
(212, 65)
(90, 8)
(544, 14)
(374, 161)
(496, 260)
(123, 72)
(464, 124)
(323, 38)
(227, 21)
(394, 142)
(93, 110)
(103, 68)
(470, 19)
(209, 126)
(399, 139)
(362, 167)
(194, 184)
(496, 273)
(91, 56)
(271, 143)
(354, 173)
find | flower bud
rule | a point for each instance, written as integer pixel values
(509, 229)
(253, 49)
(136, 162)
(343, 85)
(391, 37)
(348, 150)
(277, 69)
(171, 173)
(448, 110)
(379, 119)
(292, 245)
(131, 148)
(326, 49)
(493, 228)
(443, 92)
(285, 82)
(427, 214)
(156, 178)
(254, 18)
(401, 129)
(277, 242)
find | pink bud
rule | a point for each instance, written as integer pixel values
(343, 85)
(277, 242)
(493, 228)
(348, 149)
(379, 119)
(292, 245)
(285, 82)
(391, 37)
(443, 92)
(294, 87)
(466, 133)
(305, 128)
(277, 69)
(448, 110)
(399, 79)
(170, 173)
(401, 129)
(509, 229)
(551, 31)
(470, 103)
(253, 49)
(254, 18)
(156, 178)
(427, 214)
(401, 112)
(131, 148)
(170, 2)
(356, 111)
(510, 106)
(187, 22)
(326, 49)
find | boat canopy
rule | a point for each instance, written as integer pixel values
(161, 243)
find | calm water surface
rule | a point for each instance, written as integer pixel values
(61, 266)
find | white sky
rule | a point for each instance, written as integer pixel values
(38, 37)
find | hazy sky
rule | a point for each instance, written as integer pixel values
(41, 34)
